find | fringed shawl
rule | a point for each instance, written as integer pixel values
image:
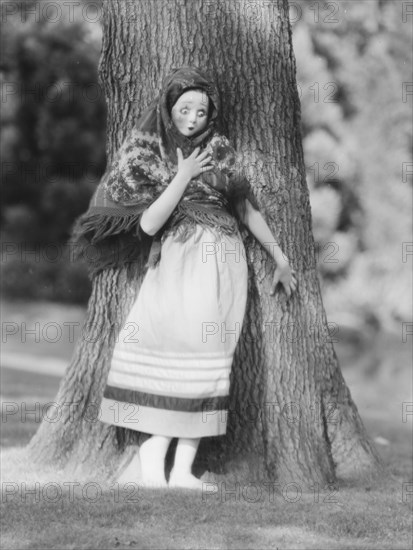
(109, 234)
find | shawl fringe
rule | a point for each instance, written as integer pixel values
(107, 241)
(100, 226)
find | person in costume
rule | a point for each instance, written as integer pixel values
(174, 192)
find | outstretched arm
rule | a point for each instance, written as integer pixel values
(259, 228)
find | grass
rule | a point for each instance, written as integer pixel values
(18, 388)
(358, 516)
(175, 519)
(41, 328)
(49, 514)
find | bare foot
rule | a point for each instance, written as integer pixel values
(131, 471)
(185, 480)
(154, 483)
(153, 463)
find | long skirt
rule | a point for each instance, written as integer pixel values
(171, 365)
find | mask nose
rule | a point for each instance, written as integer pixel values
(192, 119)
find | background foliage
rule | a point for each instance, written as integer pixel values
(52, 146)
(357, 141)
(353, 59)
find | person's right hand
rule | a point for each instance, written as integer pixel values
(194, 165)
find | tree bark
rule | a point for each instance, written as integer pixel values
(291, 417)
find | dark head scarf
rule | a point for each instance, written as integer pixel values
(157, 117)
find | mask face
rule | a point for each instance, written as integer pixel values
(190, 112)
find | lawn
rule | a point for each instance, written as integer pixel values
(360, 518)
(40, 328)
(66, 514)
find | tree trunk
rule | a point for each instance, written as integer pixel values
(291, 416)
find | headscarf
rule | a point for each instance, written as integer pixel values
(157, 117)
(142, 169)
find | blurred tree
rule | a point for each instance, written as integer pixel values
(354, 60)
(321, 435)
(52, 131)
(59, 114)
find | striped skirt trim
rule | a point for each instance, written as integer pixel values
(174, 388)
(166, 401)
(207, 362)
(182, 356)
(152, 420)
(177, 377)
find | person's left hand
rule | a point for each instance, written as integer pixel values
(286, 276)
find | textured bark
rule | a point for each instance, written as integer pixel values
(291, 417)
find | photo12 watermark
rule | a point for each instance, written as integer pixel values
(70, 491)
(290, 412)
(119, 412)
(51, 12)
(52, 332)
(269, 491)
